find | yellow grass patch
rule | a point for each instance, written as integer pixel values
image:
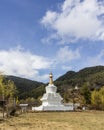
(91, 120)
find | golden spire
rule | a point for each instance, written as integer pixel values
(51, 78)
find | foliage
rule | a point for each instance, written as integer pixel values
(93, 75)
(7, 92)
(97, 98)
(85, 91)
(7, 88)
(87, 79)
(26, 88)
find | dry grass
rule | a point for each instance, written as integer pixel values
(91, 120)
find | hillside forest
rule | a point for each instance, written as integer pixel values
(85, 87)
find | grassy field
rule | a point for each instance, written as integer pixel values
(89, 120)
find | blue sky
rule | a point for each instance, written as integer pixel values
(42, 36)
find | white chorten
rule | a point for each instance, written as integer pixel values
(51, 100)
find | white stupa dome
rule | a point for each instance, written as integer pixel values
(51, 100)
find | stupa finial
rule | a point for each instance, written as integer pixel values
(51, 78)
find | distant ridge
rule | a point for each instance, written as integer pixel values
(83, 73)
(94, 75)
(25, 86)
(28, 88)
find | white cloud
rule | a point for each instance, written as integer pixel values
(23, 63)
(77, 20)
(65, 54)
(51, 16)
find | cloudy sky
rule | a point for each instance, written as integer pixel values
(42, 36)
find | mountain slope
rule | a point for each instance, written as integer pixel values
(24, 86)
(94, 75)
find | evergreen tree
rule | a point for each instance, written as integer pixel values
(85, 91)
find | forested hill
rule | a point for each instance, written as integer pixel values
(26, 88)
(92, 75)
